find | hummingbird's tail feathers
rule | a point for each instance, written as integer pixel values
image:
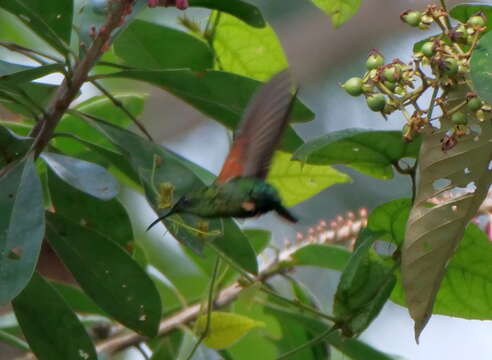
(286, 214)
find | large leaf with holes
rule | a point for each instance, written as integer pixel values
(239, 8)
(370, 152)
(52, 329)
(148, 45)
(166, 178)
(51, 20)
(243, 50)
(21, 226)
(340, 11)
(462, 12)
(481, 65)
(107, 274)
(297, 182)
(433, 232)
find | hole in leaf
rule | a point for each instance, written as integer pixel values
(355, 149)
(454, 208)
(467, 171)
(475, 128)
(440, 183)
(490, 165)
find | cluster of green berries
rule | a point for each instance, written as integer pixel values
(396, 85)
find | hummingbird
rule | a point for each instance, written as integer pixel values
(240, 190)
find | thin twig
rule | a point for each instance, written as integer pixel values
(210, 305)
(310, 343)
(69, 88)
(123, 108)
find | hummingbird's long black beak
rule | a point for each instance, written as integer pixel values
(159, 219)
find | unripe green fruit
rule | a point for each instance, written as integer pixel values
(390, 74)
(412, 18)
(474, 104)
(376, 102)
(450, 66)
(428, 49)
(459, 118)
(374, 61)
(390, 85)
(476, 21)
(353, 86)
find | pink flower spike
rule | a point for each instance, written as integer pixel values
(153, 3)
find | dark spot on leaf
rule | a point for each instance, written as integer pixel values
(11, 196)
(15, 253)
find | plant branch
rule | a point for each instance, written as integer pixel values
(123, 108)
(70, 87)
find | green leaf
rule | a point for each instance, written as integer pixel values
(108, 218)
(258, 238)
(241, 9)
(49, 325)
(39, 93)
(88, 177)
(321, 255)
(12, 146)
(225, 328)
(151, 46)
(370, 152)
(433, 233)
(365, 286)
(244, 50)
(11, 74)
(21, 233)
(77, 299)
(168, 347)
(480, 65)
(340, 11)
(107, 274)
(51, 20)
(466, 287)
(102, 107)
(160, 168)
(353, 348)
(222, 96)
(462, 12)
(391, 219)
(297, 182)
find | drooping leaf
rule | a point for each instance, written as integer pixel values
(148, 45)
(76, 298)
(107, 274)
(480, 65)
(83, 175)
(108, 218)
(38, 92)
(166, 177)
(241, 9)
(102, 107)
(340, 11)
(11, 74)
(433, 232)
(466, 288)
(51, 20)
(462, 12)
(21, 226)
(297, 182)
(225, 328)
(12, 146)
(391, 219)
(321, 255)
(365, 286)
(244, 50)
(368, 151)
(51, 328)
(222, 96)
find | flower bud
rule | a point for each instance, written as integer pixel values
(353, 86)
(376, 102)
(374, 60)
(411, 17)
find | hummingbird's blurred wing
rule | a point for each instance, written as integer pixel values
(260, 130)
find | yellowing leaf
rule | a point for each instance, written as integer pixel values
(297, 182)
(340, 11)
(225, 328)
(248, 51)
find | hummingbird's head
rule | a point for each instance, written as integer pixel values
(182, 205)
